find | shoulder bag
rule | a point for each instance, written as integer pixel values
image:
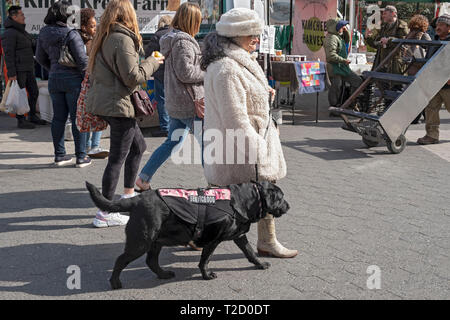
(65, 57)
(199, 104)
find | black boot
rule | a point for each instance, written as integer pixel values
(35, 119)
(24, 124)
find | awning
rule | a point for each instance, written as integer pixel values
(429, 1)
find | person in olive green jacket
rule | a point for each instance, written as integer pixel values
(115, 73)
(337, 62)
(392, 28)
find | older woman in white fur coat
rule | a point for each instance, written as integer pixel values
(237, 103)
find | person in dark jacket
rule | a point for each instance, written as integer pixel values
(432, 120)
(153, 45)
(18, 48)
(64, 83)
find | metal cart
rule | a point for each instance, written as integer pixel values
(387, 103)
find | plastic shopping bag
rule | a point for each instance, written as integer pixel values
(5, 96)
(17, 100)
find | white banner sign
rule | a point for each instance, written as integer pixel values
(148, 11)
(267, 43)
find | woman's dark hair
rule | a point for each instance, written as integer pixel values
(57, 12)
(86, 14)
(213, 46)
(14, 10)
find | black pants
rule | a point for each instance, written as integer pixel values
(27, 80)
(127, 145)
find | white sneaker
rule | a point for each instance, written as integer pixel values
(98, 153)
(105, 219)
(127, 196)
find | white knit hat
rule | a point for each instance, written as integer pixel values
(239, 22)
(445, 18)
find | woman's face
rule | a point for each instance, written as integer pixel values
(249, 43)
(90, 27)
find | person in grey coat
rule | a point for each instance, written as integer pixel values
(18, 48)
(182, 75)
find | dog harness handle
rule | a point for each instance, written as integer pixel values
(201, 217)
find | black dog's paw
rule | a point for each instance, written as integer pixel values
(209, 276)
(166, 275)
(263, 266)
(115, 284)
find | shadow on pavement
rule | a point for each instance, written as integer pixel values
(333, 149)
(41, 269)
(60, 198)
(39, 134)
(9, 155)
(37, 166)
(29, 223)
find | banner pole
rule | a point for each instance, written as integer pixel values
(290, 27)
(267, 55)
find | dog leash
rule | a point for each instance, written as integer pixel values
(265, 135)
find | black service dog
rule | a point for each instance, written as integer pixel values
(153, 224)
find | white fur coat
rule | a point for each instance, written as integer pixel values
(237, 101)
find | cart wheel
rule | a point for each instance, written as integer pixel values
(397, 146)
(370, 143)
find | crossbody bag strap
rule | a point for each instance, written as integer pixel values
(105, 63)
(191, 94)
(67, 37)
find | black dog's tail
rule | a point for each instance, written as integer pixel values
(122, 205)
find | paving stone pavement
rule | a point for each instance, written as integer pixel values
(351, 208)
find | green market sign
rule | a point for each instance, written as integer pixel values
(314, 33)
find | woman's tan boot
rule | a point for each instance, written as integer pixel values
(268, 245)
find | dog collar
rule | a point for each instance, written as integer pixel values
(261, 201)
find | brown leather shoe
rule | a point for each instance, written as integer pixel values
(427, 140)
(193, 246)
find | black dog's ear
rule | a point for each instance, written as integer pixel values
(243, 201)
(274, 198)
(266, 191)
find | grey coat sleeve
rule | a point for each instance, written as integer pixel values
(186, 63)
(9, 48)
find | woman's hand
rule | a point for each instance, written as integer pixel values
(160, 59)
(272, 93)
(158, 56)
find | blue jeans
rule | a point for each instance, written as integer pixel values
(165, 150)
(64, 90)
(93, 139)
(160, 100)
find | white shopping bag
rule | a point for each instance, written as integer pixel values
(17, 101)
(5, 95)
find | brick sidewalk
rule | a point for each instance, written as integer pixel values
(352, 208)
